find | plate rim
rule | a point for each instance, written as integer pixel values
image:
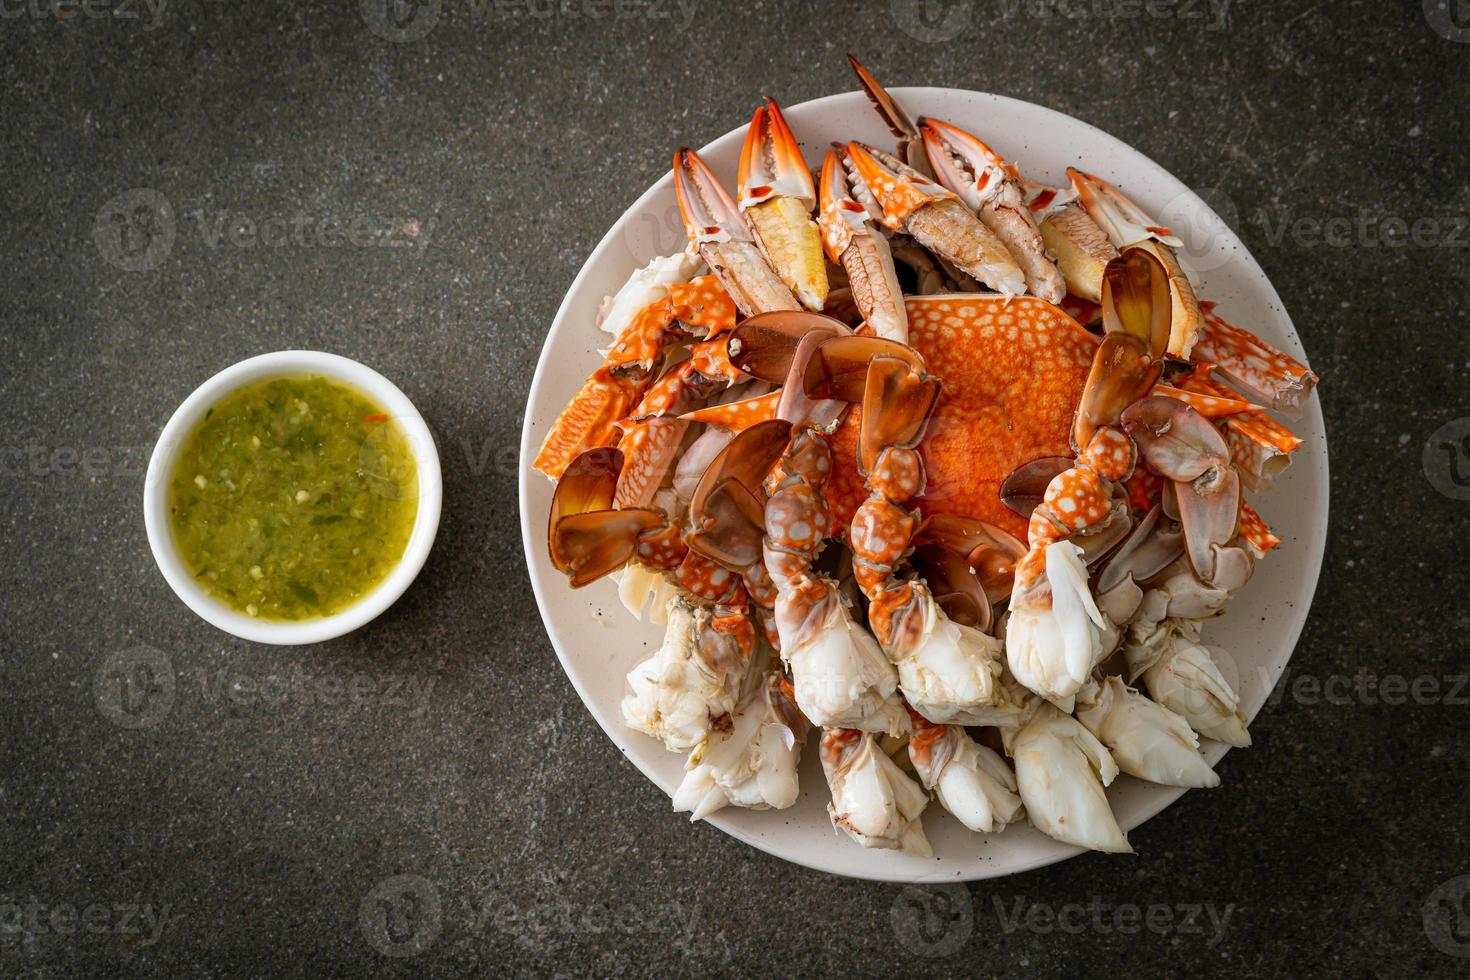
(1163, 796)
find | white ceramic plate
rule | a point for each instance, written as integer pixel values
(1264, 620)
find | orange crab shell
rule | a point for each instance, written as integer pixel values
(1013, 373)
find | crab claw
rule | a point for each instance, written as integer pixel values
(971, 781)
(716, 231)
(988, 187)
(1125, 222)
(1187, 681)
(874, 801)
(754, 764)
(1056, 634)
(777, 197)
(898, 122)
(852, 240)
(938, 219)
(1146, 739)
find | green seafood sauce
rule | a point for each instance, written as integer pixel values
(293, 498)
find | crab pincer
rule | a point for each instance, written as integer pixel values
(853, 239)
(719, 234)
(776, 196)
(990, 188)
(937, 219)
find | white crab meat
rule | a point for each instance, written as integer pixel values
(953, 674)
(972, 781)
(1061, 769)
(690, 685)
(1145, 738)
(754, 764)
(873, 800)
(1052, 647)
(841, 676)
(1187, 681)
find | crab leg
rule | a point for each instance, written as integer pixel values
(1061, 769)
(982, 180)
(700, 307)
(1268, 376)
(1056, 633)
(1260, 446)
(691, 684)
(852, 239)
(937, 218)
(948, 672)
(841, 678)
(655, 429)
(717, 232)
(1128, 225)
(777, 198)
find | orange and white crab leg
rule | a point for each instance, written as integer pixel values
(653, 432)
(937, 219)
(1056, 633)
(739, 415)
(719, 234)
(852, 239)
(674, 310)
(988, 187)
(777, 197)
(949, 673)
(1266, 375)
(1260, 446)
(1128, 225)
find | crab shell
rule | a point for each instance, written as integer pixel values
(1013, 374)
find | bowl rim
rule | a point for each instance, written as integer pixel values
(259, 368)
(1312, 540)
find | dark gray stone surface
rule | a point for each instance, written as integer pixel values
(222, 820)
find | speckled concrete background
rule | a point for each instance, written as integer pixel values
(188, 184)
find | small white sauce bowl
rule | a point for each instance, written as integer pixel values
(176, 433)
